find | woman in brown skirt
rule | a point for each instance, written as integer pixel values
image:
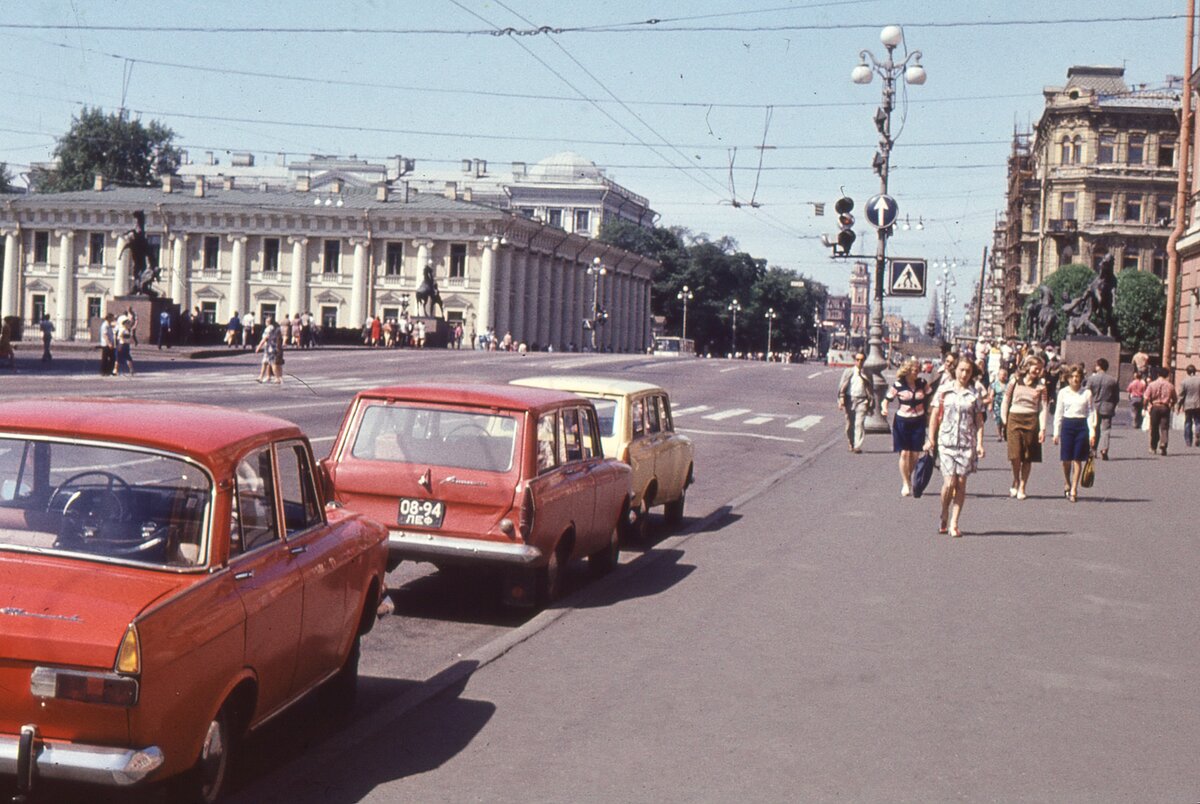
(1024, 414)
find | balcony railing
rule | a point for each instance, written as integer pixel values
(1062, 225)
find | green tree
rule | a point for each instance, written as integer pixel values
(112, 145)
(1065, 284)
(1140, 303)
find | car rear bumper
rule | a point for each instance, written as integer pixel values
(29, 758)
(413, 546)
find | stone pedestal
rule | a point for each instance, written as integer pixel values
(437, 331)
(1086, 349)
(147, 311)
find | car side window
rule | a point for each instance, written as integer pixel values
(664, 414)
(653, 424)
(570, 448)
(587, 434)
(637, 416)
(255, 522)
(301, 506)
(546, 457)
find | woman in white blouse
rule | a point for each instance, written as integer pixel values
(1074, 429)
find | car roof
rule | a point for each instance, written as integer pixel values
(492, 395)
(583, 384)
(209, 434)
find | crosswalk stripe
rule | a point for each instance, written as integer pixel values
(693, 409)
(758, 420)
(806, 422)
(726, 414)
(815, 374)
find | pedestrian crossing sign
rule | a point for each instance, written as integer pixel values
(906, 277)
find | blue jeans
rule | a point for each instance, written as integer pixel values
(1191, 427)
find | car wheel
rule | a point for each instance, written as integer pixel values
(550, 577)
(637, 528)
(605, 560)
(205, 783)
(341, 691)
(673, 511)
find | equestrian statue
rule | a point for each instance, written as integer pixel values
(143, 257)
(428, 297)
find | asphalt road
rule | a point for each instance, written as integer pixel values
(806, 636)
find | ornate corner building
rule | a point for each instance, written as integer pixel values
(1097, 175)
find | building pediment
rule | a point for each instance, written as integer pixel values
(38, 286)
(268, 295)
(209, 292)
(393, 298)
(95, 289)
(329, 297)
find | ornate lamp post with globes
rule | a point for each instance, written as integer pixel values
(596, 270)
(770, 315)
(735, 308)
(685, 294)
(888, 70)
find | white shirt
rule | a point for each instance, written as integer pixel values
(1074, 404)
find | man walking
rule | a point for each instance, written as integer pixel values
(856, 399)
(47, 327)
(164, 329)
(1189, 403)
(108, 346)
(1160, 399)
(1105, 395)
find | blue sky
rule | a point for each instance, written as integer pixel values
(667, 106)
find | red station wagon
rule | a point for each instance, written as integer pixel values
(484, 475)
(170, 578)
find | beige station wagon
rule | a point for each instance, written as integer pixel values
(636, 427)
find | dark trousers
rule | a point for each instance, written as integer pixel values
(1191, 427)
(108, 359)
(1160, 426)
(1136, 406)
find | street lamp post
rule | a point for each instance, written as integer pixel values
(945, 283)
(686, 295)
(735, 308)
(771, 315)
(888, 70)
(596, 270)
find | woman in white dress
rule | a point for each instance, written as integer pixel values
(957, 423)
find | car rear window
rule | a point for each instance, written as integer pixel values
(103, 501)
(606, 412)
(463, 439)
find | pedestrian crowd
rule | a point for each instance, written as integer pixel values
(1029, 394)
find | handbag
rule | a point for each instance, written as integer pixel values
(922, 473)
(1089, 472)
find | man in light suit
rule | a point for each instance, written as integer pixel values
(856, 399)
(1105, 395)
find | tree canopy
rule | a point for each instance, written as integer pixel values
(717, 273)
(112, 145)
(1140, 304)
(6, 178)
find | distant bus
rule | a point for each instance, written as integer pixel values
(671, 346)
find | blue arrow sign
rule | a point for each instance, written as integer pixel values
(881, 211)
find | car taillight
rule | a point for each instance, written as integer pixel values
(129, 655)
(85, 687)
(527, 514)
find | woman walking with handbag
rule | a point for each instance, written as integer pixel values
(1074, 429)
(1024, 415)
(908, 429)
(957, 424)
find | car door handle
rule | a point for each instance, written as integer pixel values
(298, 549)
(242, 576)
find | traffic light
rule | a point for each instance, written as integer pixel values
(846, 236)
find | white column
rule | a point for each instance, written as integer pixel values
(8, 287)
(299, 301)
(237, 275)
(64, 323)
(121, 269)
(180, 284)
(520, 287)
(358, 284)
(487, 288)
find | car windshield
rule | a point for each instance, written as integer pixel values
(102, 501)
(606, 412)
(463, 439)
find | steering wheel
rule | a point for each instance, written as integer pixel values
(468, 427)
(93, 506)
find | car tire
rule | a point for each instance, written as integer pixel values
(673, 511)
(637, 528)
(340, 692)
(552, 576)
(205, 783)
(605, 560)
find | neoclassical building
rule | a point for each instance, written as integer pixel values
(339, 250)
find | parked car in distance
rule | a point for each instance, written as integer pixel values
(170, 578)
(636, 427)
(673, 346)
(492, 476)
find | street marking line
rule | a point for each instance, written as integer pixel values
(726, 414)
(692, 409)
(806, 422)
(762, 436)
(815, 374)
(758, 420)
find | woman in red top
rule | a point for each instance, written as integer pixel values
(908, 429)
(1137, 392)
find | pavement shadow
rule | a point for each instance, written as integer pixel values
(1019, 533)
(660, 572)
(462, 595)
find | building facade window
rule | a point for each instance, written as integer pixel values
(41, 248)
(271, 255)
(266, 310)
(328, 316)
(212, 252)
(458, 260)
(208, 312)
(1068, 206)
(1104, 204)
(526, 212)
(1066, 150)
(1158, 263)
(393, 264)
(1137, 149)
(1106, 152)
(1164, 211)
(96, 248)
(1129, 260)
(331, 258)
(39, 307)
(1133, 208)
(554, 217)
(93, 308)
(1166, 152)
(583, 221)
